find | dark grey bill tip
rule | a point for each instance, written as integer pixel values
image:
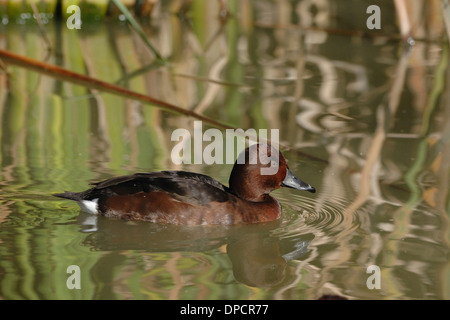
(312, 190)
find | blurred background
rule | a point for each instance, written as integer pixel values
(363, 116)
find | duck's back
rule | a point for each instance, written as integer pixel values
(189, 187)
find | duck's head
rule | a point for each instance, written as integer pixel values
(260, 169)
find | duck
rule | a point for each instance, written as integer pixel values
(188, 198)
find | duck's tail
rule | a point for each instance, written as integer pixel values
(89, 206)
(76, 196)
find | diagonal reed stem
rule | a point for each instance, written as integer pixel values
(86, 81)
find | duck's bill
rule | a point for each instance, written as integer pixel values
(292, 181)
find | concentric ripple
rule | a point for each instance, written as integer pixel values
(325, 214)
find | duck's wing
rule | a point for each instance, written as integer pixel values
(183, 186)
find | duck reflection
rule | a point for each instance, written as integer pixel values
(259, 258)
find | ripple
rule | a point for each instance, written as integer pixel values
(325, 213)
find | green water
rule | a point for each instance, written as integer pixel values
(365, 120)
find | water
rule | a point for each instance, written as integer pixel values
(364, 120)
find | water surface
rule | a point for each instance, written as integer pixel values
(365, 120)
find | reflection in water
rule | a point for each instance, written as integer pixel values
(258, 258)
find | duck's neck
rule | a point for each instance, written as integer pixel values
(243, 187)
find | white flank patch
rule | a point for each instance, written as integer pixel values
(89, 206)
